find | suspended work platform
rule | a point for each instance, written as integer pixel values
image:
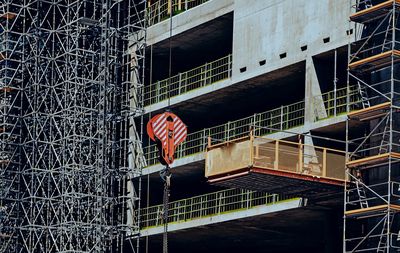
(276, 166)
(374, 12)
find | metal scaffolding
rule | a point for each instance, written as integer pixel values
(71, 75)
(371, 221)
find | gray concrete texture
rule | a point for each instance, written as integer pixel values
(267, 29)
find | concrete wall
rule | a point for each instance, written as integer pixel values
(265, 29)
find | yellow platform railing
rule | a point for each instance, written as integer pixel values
(335, 101)
(272, 154)
(161, 9)
(207, 205)
(184, 82)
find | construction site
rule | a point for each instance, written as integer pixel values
(148, 126)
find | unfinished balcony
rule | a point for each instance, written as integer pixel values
(254, 217)
(187, 82)
(276, 166)
(211, 208)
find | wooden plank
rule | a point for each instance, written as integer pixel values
(371, 159)
(6, 89)
(369, 112)
(367, 160)
(375, 8)
(372, 209)
(374, 58)
(8, 15)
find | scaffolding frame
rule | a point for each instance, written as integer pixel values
(372, 195)
(71, 85)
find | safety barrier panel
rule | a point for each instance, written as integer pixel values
(298, 158)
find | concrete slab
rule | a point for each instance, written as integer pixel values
(189, 95)
(306, 229)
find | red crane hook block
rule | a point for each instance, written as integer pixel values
(168, 131)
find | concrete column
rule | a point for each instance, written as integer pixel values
(311, 161)
(314, 104)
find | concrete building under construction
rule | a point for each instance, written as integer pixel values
(291, 111)
(287, 104)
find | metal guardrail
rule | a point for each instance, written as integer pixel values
(201, 76)
(282, 118)
(206, 205)
(336, 102)
(160, 10)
